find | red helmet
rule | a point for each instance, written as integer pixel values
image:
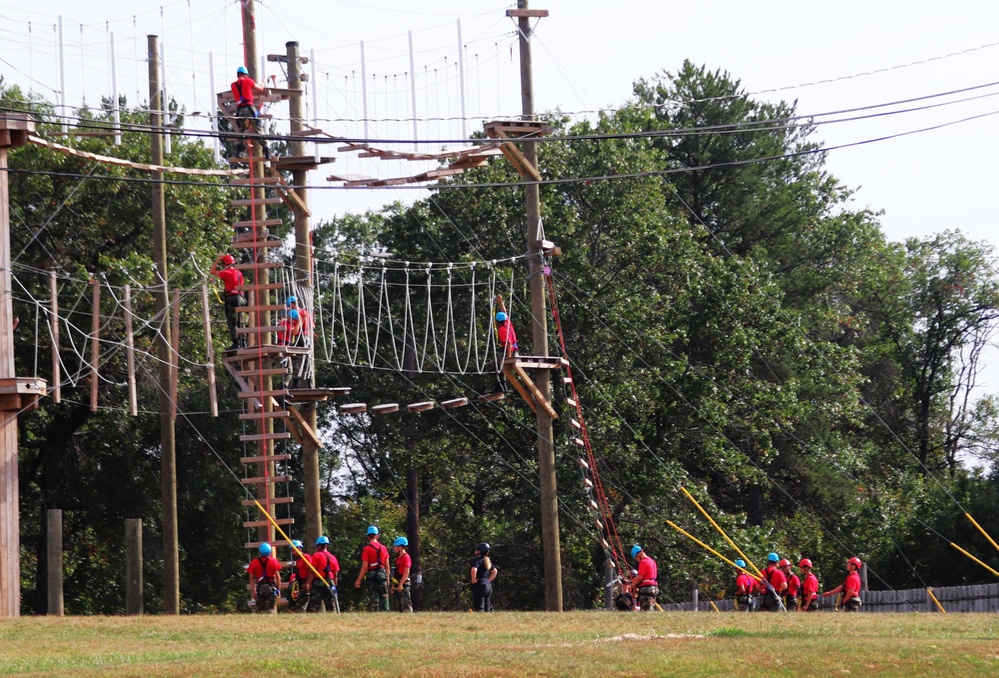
(228, 260)
(784, 563)
(855, 562)
(805, 562)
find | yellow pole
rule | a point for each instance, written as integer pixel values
(984, 533)
(939, 606)
(715, 607)
(975, 559)
(709, 549)
(288, 539)
(720, 531)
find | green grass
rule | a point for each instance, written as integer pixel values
(504, 644)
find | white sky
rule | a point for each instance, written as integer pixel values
(586, 56)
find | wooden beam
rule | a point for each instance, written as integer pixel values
(95, 345)
(108, 160)
(213, 401)
(535, 391)
(527, 13)
(306, 428)
(54, 331)
(511, 378)
(287, 190)
(133, 398)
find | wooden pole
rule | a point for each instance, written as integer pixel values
(133, 398)
(133, 567)
(95, 344)
(54, 558)
(539, 332)
(168, 449)
(175, 354)
(209, 352)
(54, 331)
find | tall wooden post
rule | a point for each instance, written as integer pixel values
(168, 450)
(16, 394)
(539, 328)
(54, 575)
(133, 567)
(303, 280)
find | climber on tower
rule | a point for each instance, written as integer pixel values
(242, 91)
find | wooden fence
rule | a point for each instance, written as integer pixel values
(975, 598)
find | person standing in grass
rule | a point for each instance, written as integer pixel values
(374, 569)
(743, 589)
(323, 590)
(265, 580)
(773, 584)
(300, 573)
(401, 585)
(645, 582)
(482, 574)
(849, 588)
(790, 595)
(809, 587)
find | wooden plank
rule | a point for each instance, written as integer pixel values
(54, 331)
(305, 427)
(258, 223)
(253, 181)
(268, 480)
(265, 523)
(512, 379)
(256, 244)
(265, 372)
(261, 394)
(95, 346)
(538, 396)
(260, 265)
(213, 401)
(295, 200)
(386, 408)
(421, 406)
(255, 437)
(353, 408)
(264, 459)
(262, 308)
(253, 202)
(527, 13)
(269, 414)
(454, 403)
(259, 330)
(269, 501)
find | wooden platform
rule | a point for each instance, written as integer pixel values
(501, 129)
(315, 394)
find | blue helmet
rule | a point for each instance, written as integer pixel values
(297, 543)
(242, 71)
(372, 530)
(323, 539)
(400, 541)
(290, 300)
(635, 550)
(501, 316)
(772, 557)
(265, 549)
(294, 314)
(740, 563)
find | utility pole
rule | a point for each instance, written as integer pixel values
(303, 280)
(16, 395)
(168, 447)
(539, 325)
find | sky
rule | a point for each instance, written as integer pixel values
(828, 57)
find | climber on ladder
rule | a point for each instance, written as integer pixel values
(242, 90)
(232, 278)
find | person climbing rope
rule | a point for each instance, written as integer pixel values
(401, 584)
(247, 115)
(790, 595)
(324, 593)
(298, 588)
(646, 580)
(306, 332)
(506, 335)
(374, 569)
(809, 587)
(481, 575)
(232, 279)
(743, 589)
(849, 588)
(265, 580)
(773, 584)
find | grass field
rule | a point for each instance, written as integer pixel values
(504, 644)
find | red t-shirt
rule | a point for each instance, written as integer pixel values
(242, 90)
(327, 564)
(507, 335)
(264, 566)
(775, 577)
(793, 584)
(745, 582)
(375, 555)
(647, 572)
(851, 587)
(403, 562)
(810, 586)
(306, 319)
(302, 569)
(232, 279)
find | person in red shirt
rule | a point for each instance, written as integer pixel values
(297, 580)
(265, 580)
(324, 593)
(809, 587)
(374, 569)
(401, 585)
(232, 279)
(506, 335)
(849, 588)
(743, 589)
(773, 585)
(305, 317)
(646, 580)
(790, 595)
(246, 112)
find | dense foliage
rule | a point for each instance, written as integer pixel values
(734, 324)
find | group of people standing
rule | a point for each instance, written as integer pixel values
(780, 589)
